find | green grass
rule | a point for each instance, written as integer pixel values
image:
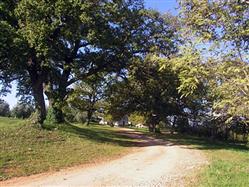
(27, 150)
(229, 162)
(229, 167)
(9, 122)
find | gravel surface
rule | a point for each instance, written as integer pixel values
(154, 163)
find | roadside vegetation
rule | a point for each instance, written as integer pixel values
(103, 60)
(227, 161)
(27, 150)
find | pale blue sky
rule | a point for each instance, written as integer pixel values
(162, 5)
(159, 5)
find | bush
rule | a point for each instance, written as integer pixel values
(136, 119)
(69, 114)
(50, 117)
(81, 117)
(22, 110)
(4, 108)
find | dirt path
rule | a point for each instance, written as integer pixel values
(155, 163)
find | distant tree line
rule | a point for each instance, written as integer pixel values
(21, 110)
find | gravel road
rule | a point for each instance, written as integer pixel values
(153, 163)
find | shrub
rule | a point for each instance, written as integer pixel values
(50, 117)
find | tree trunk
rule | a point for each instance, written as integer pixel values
(37, 77)
(37, 88)
(152, 128)
(152, 122)
(173, 125)
(56, 101)
(89, 116)
(58, 115)
(226, 133)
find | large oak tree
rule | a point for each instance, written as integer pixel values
(49, 45)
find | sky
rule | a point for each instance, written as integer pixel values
(162, 5)
(159, 5)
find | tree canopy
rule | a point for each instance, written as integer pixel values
(189, 71)
(60, 42)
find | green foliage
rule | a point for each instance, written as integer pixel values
(212, 66)
(87, 95)
(60, 42)
(70, 113)
(231, 88)
(149, 91)
(81, 117)
(4, 108)
(109, 118)
(190, 70)
(50, 118)
(221, 21)
(137, 119)
(22, 110)
(214, 90)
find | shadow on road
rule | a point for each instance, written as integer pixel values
(132, 138)
(121, 136)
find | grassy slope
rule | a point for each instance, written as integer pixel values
(26, 150)
(229, 163)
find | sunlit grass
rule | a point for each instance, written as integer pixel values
(229, 167)
(27, 150)
(9, 122)
(228, 162)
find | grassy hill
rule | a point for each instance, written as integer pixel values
(27, 150)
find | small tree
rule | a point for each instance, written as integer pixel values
(4, 108)
(87, 95)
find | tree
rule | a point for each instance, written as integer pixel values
(149, 91)
(4, 108)
(222, 27)
(87, 95)
(225, 22)
(230, 84)
(22, 110)
(18, 59)
(60, 42)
